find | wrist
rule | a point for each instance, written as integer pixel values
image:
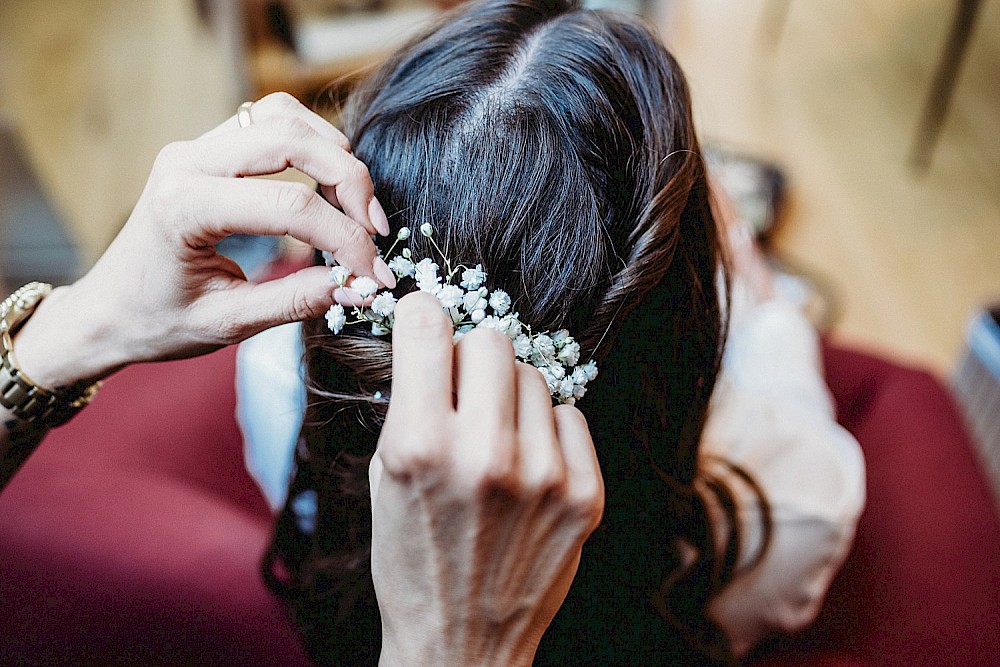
(66, 340)
(421, 653)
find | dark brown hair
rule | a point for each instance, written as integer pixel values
(555, 146)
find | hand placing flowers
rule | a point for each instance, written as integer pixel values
(483, 494)
(470, 305)
(161, 290)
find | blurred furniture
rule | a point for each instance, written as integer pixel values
(314, 47)
(34, 244)
(133, 535)
(942, 87)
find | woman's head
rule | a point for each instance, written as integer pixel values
(554, 146)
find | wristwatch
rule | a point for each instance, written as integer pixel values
(30, 402)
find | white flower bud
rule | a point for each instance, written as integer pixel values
(544, 350)
(407, 253)
(550, 380)
(339, 275)
(566, 388)
(384, 304)
(478, 315)
(512, 326)
(426, 229)
(364, 286)
(403, 233)
(560, 336)
(570, 353)
(378, 329)
(450, 296)
(473, 278)
(492, 322)
(401, 266)
(500, 302)
(473, 301)
(426, 273)
(522, 347)
(336, 318)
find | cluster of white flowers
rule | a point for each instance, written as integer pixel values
(470, 305)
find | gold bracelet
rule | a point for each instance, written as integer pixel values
(26, 399)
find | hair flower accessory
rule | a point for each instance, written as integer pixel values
(469, 304)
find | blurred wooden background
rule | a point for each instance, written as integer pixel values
(95, 87)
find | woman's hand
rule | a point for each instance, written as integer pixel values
(162, 291)
(482, 497)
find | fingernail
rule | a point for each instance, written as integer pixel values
(345, 296)
(383, 272)
(377, 216)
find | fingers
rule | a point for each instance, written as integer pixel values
(276, 208)
(422, 355)
(277, 104)
(541, 457)
(485, 379)
(250, 308)
(585, 485)
(268, 148)
(286, 134)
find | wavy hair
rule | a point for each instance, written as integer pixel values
(555, 146)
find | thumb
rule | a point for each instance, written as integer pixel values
(303, 295)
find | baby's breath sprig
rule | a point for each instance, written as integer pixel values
(469, 304)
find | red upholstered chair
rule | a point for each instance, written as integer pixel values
(133, 535)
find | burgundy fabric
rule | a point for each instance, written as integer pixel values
(133, 535)
(137, 540)
(922, 585)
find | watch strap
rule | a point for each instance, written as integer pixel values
(27, 400)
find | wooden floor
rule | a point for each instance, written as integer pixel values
(96, 86)
(834, 96)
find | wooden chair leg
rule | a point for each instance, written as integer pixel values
(943, 86)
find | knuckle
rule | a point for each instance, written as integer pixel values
(295, 199)
(587, 504)
(550, 482)
(281, 100)
(171, 193)
(171, 154)
(294, 128)
(355, 236)
(496, 471)
(414, 453)
(357, 178)
(306, 306)
(341, 140)
(359, 170)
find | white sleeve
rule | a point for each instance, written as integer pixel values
(270, 403)
(772, 415)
